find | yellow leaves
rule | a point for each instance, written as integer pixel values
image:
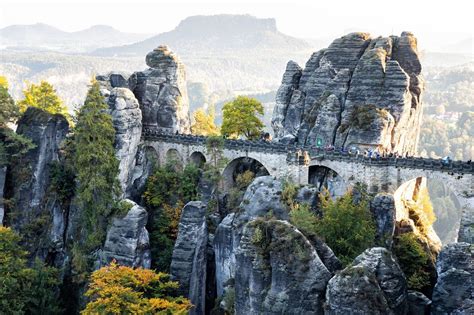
(204, 123)
(118, 289)
(4, 82)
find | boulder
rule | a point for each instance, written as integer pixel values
(279, 271)
(127, 121)
(454, 292)
(418, 303)
(358, 92)
(189, 260)
(127, 239)
(161, 92)
(372, 284)
(384, 213)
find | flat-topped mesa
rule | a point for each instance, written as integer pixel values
(359, 91)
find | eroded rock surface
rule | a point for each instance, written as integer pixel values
(127, 121)
(127, 239)
(189, 260)
(279, 271)
(359, 91)
(373, 284)
(161, 92)
(384, 213)
(454, 291)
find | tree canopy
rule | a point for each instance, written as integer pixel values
(43, 96)
(240, 118)
(118, 289)
(204, 124)
(95, 164)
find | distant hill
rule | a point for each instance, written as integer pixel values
(46, 37)
(213, 34)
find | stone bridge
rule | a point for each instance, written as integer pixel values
(286, 161)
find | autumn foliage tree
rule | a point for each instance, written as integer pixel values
(43, 96)
(118, 289)
(240, 118)
(204, 124)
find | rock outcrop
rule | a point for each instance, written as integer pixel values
(161, 92)
(189, 260)
(127, 239)
(384, 213)
(127, 120)
(418, 303)
(357, 92)
(279, 271)
(372, 284)
(454, 290)
(37, 209)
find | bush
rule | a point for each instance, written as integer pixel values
(347, 227)
(413, 260)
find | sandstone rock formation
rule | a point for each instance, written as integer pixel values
(454, 290)
(29, 180)
(127, 239)
(279, 271)
(373, 284)
(127, 120)
(188, 265)
(418, 303)
(359, 91)
(161, 92)
(384, 213)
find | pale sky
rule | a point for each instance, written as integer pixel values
(435, 23)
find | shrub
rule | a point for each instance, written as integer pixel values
(413, 260)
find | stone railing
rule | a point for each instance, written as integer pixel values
(291, 150)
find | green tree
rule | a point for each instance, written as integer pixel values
(12, 145)
(43, 96)
(22, 289)
(204, 123)
(346, 226)
(96, 165)
(240, 118)
(119, 290)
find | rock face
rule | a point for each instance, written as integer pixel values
(189, 260)
(161, 92)
(279, 271)
(384, 213)
(454, 291)
(373, 284)
(418, 303)
(127, 239)
(28, 183)
(359, 91)
(127, 120)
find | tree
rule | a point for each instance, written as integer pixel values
(204, 124)
(23, 289)
(346, 226)
(240, 118)
(11, 145)
(118, 289)
(96, 165)
(43, 96)
(3, 82)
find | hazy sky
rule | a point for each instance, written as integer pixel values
(436, 23)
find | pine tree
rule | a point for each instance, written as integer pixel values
(96, 165)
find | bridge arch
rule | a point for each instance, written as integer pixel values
(173, 156)
(238, 166)
(197, 158)
(325, 177)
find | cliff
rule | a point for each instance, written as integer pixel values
(357, 92)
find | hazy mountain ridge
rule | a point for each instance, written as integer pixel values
(46, 37)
